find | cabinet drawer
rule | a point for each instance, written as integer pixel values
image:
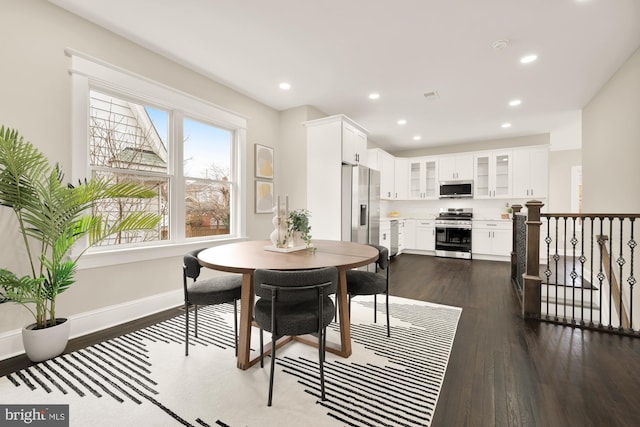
(492, 225)
(425, 223)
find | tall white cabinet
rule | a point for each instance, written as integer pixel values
(330, 142)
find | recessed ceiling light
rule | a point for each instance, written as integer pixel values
(402, 122)
(527, 59)
(417, 138)
(284, 86)
(374, 95)
(505, 125)
(515, 102)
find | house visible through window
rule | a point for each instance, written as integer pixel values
(129, 141)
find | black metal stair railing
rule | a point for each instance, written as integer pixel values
(577, 269)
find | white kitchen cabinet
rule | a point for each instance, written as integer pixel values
(401, 246)
(325, 150)
(401, 178)
(492, 175)
(385, 234)
(423, 178)
(354, 144)
(458, 167)
(409, 234)
(385, 163)
(426, 235)
(491, 238)
(530, 172)
(339, 134)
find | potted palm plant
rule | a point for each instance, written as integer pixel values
(52, 217)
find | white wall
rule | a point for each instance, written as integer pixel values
(560, 166)
(292, 162)
(611, 143)
(36, 100)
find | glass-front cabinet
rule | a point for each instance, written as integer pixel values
(493, 172)
(423, 178)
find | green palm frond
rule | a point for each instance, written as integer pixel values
(56, 215)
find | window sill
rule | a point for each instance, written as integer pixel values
(130, 255)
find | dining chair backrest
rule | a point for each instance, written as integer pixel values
(298, 278)
(192, 266)
(383, 257)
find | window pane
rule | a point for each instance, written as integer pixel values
(112, 210)
(207, 208)
(126, 135)
(207, 151)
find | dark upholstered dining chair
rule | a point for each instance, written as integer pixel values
(211, 291)
(361, 282)
(295, 303)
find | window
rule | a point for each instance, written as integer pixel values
(191, 153)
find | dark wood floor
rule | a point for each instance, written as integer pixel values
(503, 371)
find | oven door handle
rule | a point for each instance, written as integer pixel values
(459, 227)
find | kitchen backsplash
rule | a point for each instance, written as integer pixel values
(425, 209)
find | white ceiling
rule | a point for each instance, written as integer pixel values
(335, 52)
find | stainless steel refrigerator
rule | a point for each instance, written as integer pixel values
(360, 204)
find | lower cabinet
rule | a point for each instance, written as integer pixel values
(385, 234)
(426, 235)
(409, 234)
(491, 238)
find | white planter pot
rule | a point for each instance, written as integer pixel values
(44, 344)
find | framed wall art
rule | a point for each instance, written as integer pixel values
(264, 196)
(264, 161)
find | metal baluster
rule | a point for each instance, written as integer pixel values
(631, 280)
(573, 271)
(620, 263)
(601, 273)
(610, 267)
(582, 260)
(556, 257)
(591, 278)
(548, 272)
(564, 269)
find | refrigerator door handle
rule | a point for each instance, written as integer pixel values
(363, 214)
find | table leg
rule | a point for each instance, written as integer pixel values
(246, 318)
(343, 313)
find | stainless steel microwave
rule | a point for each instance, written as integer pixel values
(456, 189)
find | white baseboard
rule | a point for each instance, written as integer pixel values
(96, 320)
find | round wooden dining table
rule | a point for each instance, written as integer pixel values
(246, 257)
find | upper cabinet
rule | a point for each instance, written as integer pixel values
(339, 134)
(493, 174)
(423, 178)
(530, 172)
(458, 167)
(385, 163)
(354, 144)
(401, 175)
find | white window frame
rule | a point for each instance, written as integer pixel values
(90, 73)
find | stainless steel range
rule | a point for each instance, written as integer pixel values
(453, 233)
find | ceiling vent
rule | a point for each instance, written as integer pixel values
(500, 44)
(431, 95)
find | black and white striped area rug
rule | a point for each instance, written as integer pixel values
(144, 379)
